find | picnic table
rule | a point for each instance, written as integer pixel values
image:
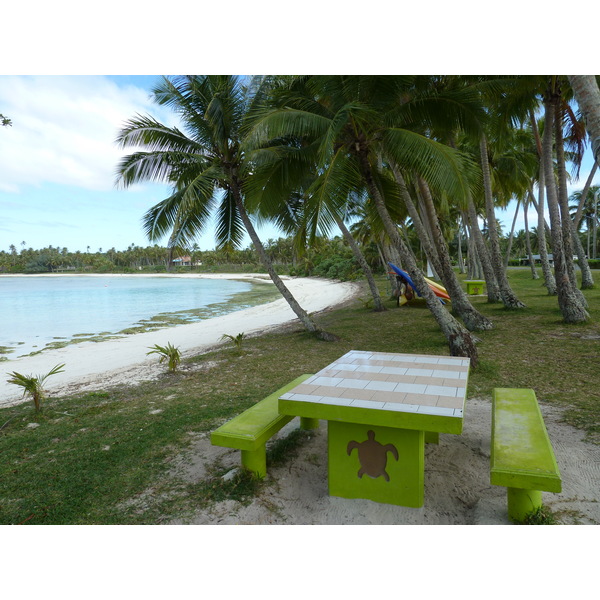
(380, 410)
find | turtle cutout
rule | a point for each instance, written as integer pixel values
(372, 456)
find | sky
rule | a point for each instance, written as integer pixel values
(59, 158)
(58, 164)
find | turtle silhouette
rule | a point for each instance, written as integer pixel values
(372, 456)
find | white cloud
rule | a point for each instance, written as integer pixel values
(64, 129)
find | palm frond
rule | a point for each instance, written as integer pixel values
(444, 168)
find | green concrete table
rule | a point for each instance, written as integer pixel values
(475, 287)
(378, 407)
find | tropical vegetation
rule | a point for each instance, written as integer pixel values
(410, 170)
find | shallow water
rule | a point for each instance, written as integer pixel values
(37, 311)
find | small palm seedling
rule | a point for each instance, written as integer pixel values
(367, 302)
(33, 385)
(238, 340)
(169, 353)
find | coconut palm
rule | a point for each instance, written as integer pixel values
(587, 93)
(354, 124)
(206, 165)
(571, 308)
(584, 211)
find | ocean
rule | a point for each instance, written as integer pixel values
(45, 312)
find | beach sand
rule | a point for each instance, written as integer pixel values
(457, 481)
(96, 365)
(457, 486)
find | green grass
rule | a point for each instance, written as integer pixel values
(105, 457)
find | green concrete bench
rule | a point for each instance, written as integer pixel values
(251, 430)
(522, 459)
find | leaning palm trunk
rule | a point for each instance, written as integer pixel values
(461, 306)
(549, 280)
(460, 341)
(461, 262)
(568, 229)
(423, 232)
(512, 235)
(534, 273)
(509, 299)
(364, 265)
(493, 291)
(568, 302)
(587, 281)
(308, 323)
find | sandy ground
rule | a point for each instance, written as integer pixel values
(457, 484)
(95, 365)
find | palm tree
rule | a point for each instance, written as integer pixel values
(206, 165)
(509, 298)
(587, 93)
(352, 122)
(584, 210)
(569, 304)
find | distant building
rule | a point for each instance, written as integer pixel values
(186, 261)
(538, 261)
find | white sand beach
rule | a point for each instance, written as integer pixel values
(96, 365)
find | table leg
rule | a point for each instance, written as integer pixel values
(432, 437)
(307, 423)
(383, 464)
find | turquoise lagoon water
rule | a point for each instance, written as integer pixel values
(36, 311)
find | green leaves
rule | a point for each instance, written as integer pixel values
(169, 353)
(33, 384)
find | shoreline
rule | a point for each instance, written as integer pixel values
(94, 365)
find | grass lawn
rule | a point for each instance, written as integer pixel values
(86, 459)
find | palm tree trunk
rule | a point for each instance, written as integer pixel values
(379, 307)
(461, 305)
(493, 291)
(308, 323)
(568, 229)
(460, 341)
(512, 235)
(549, 280)
(461, 261)
(422, 232)
(587, 94)
(584, 195)
(534, 273)
(509, 299)
(568, 302)
(587, 280)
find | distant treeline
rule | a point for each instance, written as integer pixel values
(326, 258)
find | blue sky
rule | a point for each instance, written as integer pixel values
(58, 161)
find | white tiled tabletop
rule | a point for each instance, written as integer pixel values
(434, 385)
